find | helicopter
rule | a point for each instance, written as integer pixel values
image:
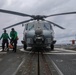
(38, 32)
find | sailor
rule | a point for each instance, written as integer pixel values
(5, 38)
(14, 38)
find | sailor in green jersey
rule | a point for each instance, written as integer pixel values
(13, 35)
(4, 38)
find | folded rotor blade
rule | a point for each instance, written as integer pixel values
(67, 13)
(17, 24)
(55, 24)
(15, 13)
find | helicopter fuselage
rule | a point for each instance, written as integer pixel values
(38, 34)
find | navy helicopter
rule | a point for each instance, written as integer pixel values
(38, 32)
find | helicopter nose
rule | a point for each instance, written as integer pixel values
(39, 38)
(38, 31)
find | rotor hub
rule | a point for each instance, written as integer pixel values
(38, 17)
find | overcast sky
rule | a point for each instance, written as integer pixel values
(42, 7)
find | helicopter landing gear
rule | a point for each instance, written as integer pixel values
(52, 46)
(24, 46)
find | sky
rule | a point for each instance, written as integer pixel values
(42, 7)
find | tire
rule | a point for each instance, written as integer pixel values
(25, 46)
(52, 46)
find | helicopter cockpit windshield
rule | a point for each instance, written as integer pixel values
(35, 25)
(30, 27)
(45, 26)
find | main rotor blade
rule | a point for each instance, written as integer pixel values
(67, 13)
(17, 24)
(55, 24)
(15, 13)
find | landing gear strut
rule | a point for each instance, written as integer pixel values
(24, 46)
(52, 46)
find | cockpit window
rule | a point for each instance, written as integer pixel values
(47, 26)
(29, 27)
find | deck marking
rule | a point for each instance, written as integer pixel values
(55, 66)
(61, 49)
(57, 51)
(57, 69)
(18, 67)
(61, 53)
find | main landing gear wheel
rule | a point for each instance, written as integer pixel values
(52, 46)
(24, 46)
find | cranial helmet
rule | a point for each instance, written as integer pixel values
(12, 29)
(4, 30)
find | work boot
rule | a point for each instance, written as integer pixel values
(7, 50)
(2, 51)
(14, 51)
